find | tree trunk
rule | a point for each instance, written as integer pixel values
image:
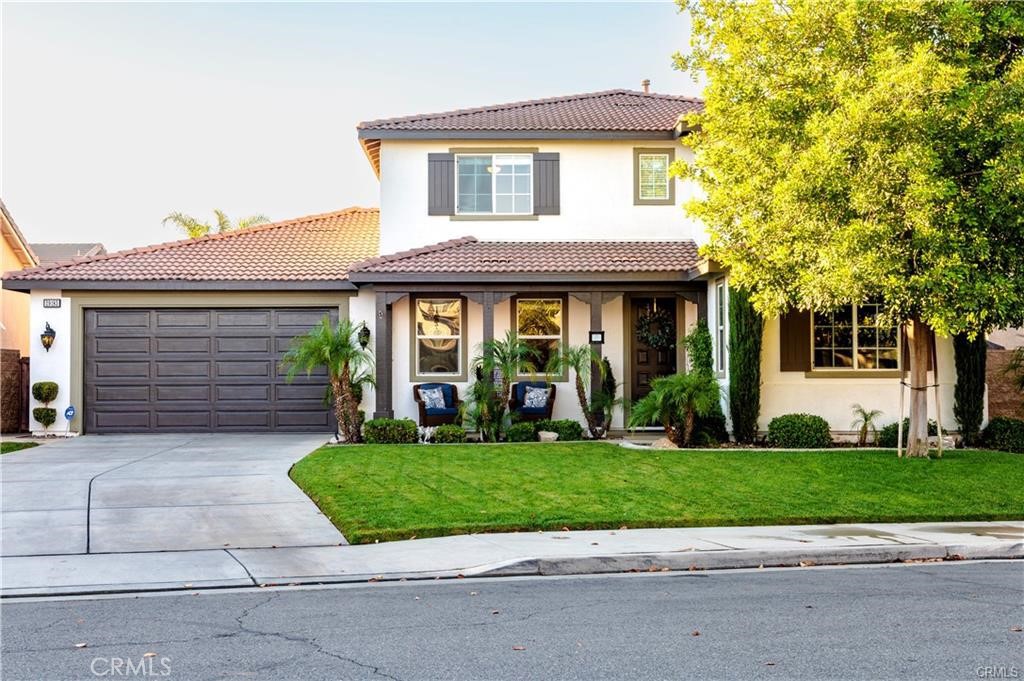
(688, 428)
(919, 339)
(347, 410)
(581, 395)
(339, 406)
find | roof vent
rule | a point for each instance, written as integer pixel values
(646, 85)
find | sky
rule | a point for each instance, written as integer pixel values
(114, 115)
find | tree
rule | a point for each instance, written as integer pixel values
(194, 228)
(746, 331)
(701, 353)
(866, 151)
(674, 400)
(969, 394)
(348, 364)
(864, 423)
(507, 357)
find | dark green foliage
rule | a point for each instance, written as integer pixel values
(567, 429)
(525, 431)
(710, 428)
(44, 391)
(45, 415)
(1004, 433)
(969, 393)
(390, 432)
(449, 433)
(799, 431)
(887, 435)
(604, 403)
(746, 328)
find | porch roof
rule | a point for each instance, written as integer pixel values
(469, 259)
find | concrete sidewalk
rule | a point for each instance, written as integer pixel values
(540, 553)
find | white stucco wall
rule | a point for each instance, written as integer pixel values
(596, 179)
(54, 365)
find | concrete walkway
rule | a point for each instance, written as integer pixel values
(145, 493)
(543, 553)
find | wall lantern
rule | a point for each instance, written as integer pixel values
(597, 337)
(364, 337)
(47, 336)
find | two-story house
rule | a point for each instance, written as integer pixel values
(556, 218)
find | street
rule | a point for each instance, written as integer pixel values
(928, 621)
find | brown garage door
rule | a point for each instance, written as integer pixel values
(199, 370)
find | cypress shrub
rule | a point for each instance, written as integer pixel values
(745, 331)
(708, 429)
(969, 393)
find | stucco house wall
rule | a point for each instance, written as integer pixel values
(14, 307)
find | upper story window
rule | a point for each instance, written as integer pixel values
(494, 184)
(853, 338)
(652, 183)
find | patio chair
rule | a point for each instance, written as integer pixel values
(518, 396)
(437, 416)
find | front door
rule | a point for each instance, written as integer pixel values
(653, 323)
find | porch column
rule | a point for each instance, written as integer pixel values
(383, 357)
(487, 300)
(702, 306)
(596, 301)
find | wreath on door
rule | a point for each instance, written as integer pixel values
(656, 329)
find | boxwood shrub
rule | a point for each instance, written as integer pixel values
(887, 434)
(1004, 433)
(45, 392)
(799, 431)
(390, 432)
(525, 431)
(448, 434)
(45, 415)
(567, 429)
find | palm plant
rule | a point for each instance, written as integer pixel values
(507, 357)
(864, 422)
(675, 398)
(348, 365)
(580, 358)
(194, 228)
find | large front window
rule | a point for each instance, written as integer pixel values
(539, 322)
(494, 184)
(853, 338)
(438, 336)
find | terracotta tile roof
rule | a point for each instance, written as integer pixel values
(611, 110)
(468, 255)
(312, 248)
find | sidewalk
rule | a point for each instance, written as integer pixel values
(493, 555)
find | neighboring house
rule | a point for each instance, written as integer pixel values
(17, 254)
(554, 217)
(53, 254)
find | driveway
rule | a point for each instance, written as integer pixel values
(128, 493)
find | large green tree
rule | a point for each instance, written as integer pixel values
(857, 150)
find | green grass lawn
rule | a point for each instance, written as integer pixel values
(382, 492)
(8, 447)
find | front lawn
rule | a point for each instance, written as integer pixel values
(386, 492)
(8, 447)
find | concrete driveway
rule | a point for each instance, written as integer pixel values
(129, 493)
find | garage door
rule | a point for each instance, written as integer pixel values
(199, 370)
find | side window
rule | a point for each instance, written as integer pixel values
(652, 184)
(721, 316)
(438, 337)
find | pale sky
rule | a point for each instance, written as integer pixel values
(114, 115)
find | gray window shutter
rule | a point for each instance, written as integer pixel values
(440, 184)
(545, 184)
(795, 341)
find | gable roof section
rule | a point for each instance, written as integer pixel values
(611, 114)
(312, 252)
(50, 254)
(16, 240)
(468, 259)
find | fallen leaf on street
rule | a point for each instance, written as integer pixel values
(769, 664)
(1016, 629)
(494, 612)
(695, 633)
(81, 645)
(518, 647)
(150, 655)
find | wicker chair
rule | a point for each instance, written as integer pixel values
(518, 394)
(438, 416)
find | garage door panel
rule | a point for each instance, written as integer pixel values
(199, 370)
(167, 320)
(185, 345)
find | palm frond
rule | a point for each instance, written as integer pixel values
(193, 228)
(223, 222)
(251, 221)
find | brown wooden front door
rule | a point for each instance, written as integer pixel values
(650, 362)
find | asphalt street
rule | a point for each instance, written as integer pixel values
(924, 621)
